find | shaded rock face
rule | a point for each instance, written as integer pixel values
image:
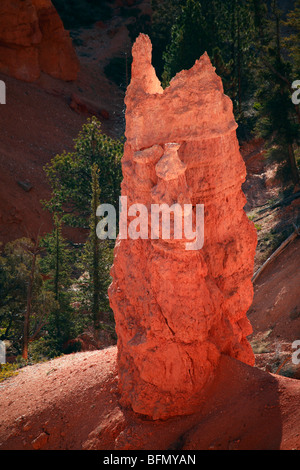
(176, 310)
(33, 40)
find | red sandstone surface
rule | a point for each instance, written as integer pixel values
(177, 311)
(33, 40)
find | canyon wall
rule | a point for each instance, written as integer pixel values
(33, 40)
(177, 310)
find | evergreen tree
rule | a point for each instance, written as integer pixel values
(277, 119)
(25, 303)
(165, 15)
(188, 41)
(57, 265)
(69, 175)
(76, 179)
(96, 261)
(225, 30)
(292, 40)
(291, 43)
(34, 252)
(241, 38)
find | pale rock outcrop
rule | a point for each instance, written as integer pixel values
(176, 310)
(33, 40)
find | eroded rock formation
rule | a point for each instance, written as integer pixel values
(176, 310)
(33, 40)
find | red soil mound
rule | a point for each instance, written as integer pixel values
(72, 403)
(275, 312)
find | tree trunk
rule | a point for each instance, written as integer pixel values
(29, 301)
(278, 42)
(56, 277)
(293, 165)
(95, 250)
(96, 281)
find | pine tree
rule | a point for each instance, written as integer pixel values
(277, 117)
(187, 41)
(95, 274)
(56, 266)
(57, 262)
(25, 303)
(225, 30)
(96, 261)
(34, 252)
(291, 43)
(69, 175)
(165, 15)
(292, 40)
(76, 179)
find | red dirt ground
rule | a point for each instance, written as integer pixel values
(72, 403)
(275, 312)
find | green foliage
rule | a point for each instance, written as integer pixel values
(292, 41)
(51, 314)
(275, 106)
(165, 15)
(223, 29)
(44, 348)
(188, 40)
(277, 121)
(15, 267)
(7, 371)
(56, 264)
(96, 260)
(80, 181)
(245, 42)
(272, 240)
(69, 175)
(90, 305)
